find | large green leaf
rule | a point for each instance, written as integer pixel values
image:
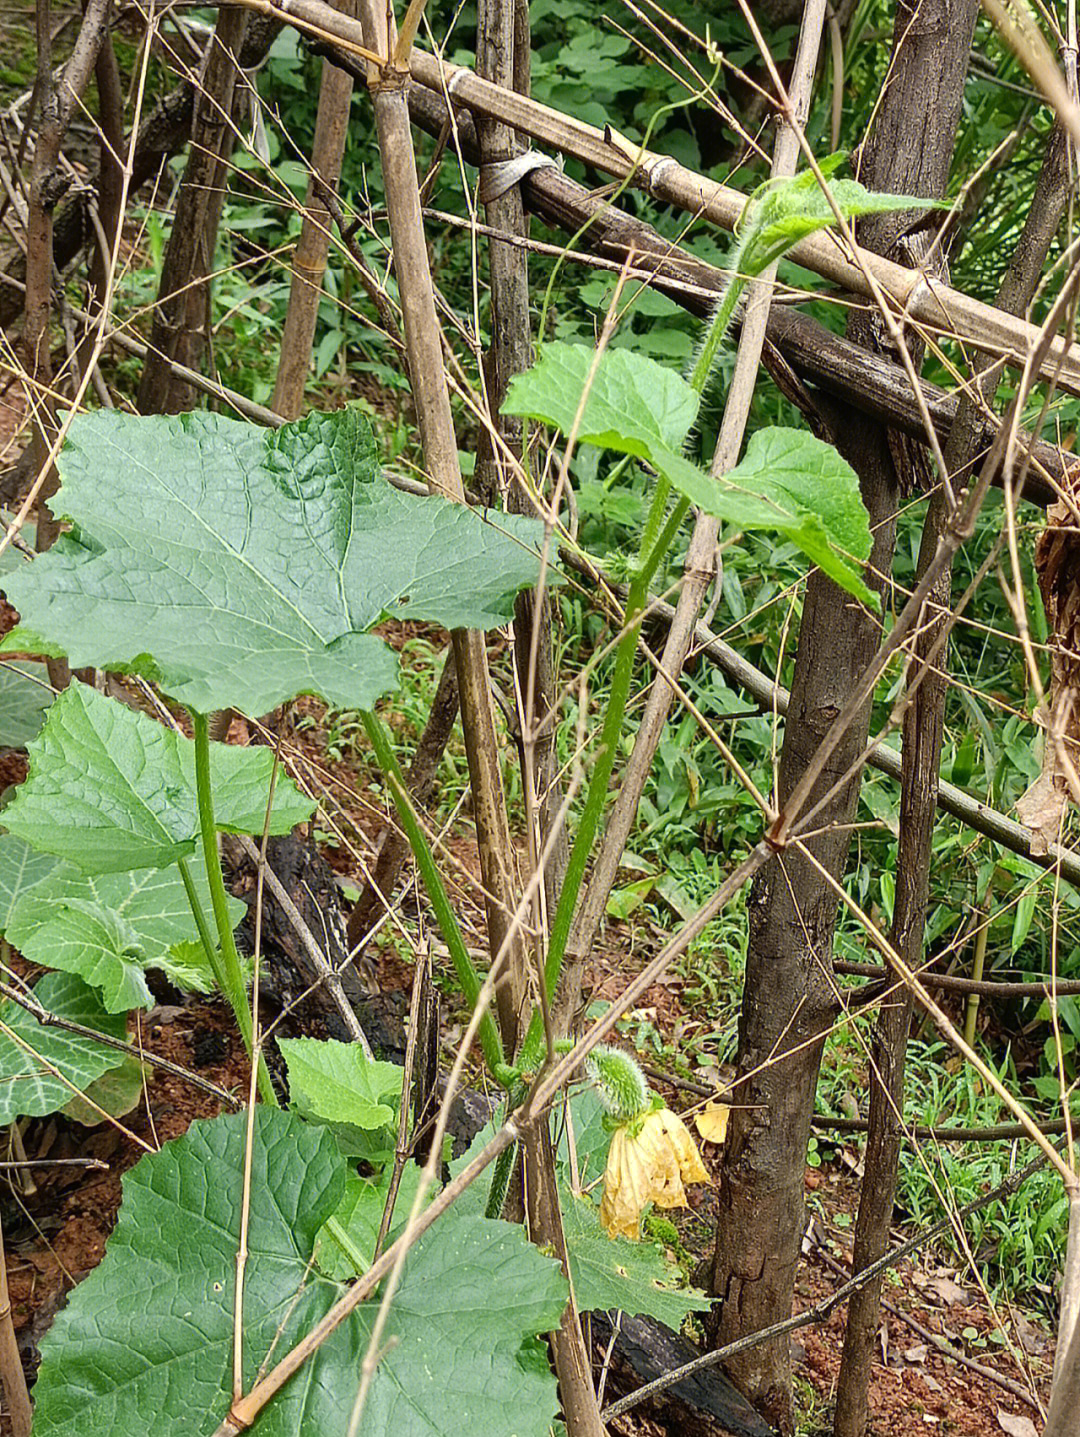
(114, 1094)
(111, 789)
(144, 1343)
(25, 695)
(109, 928)
(12, 558)
(794, 484)
(22, 869)
(241, 566)
(360, 1215)
(334, 1082)
(42, 1068)
(634, 405)
(608, 1273)
(88, 939)
(789, 482)
(634, 1277)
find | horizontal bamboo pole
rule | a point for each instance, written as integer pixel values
(915, 296)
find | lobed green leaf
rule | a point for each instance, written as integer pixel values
(110, 928)
(634, 405)
(788, 483)
(43, 1068)
(334, 1082)
(25, 696)
(241, 566)
(145, 1342)
(22, 869)
(111, 789)
(360, 1214)
(614, 1273)
(782, 212)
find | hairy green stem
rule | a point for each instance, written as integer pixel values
(656, 539)
(721, 320)
(652, 552)
(228, 972)
(210, 948)
(468, 978)
(503, 1171)
(654, 520)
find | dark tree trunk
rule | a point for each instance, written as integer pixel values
(160, 136)
(789, 999)
(923, 725)
(182, 316)
(57, 106)
(502, 55)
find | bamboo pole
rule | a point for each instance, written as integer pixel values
(11, 1369)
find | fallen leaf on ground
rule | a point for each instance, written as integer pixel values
(1016, 1426)
(946, 1290)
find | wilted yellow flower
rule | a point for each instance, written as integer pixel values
(648, 1162)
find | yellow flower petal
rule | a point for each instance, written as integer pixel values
(691, 1168)
(712, 1122)
(661, 1155)
(649, 1167)
(626, 1189)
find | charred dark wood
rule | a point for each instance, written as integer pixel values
(288, 978)
(704, 1404)
(421, 784)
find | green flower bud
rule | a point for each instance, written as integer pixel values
(619, 1082)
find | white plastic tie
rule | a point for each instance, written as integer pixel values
(503, 175)
(453, 80)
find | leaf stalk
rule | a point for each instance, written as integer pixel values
(225, 962)
(467, 976)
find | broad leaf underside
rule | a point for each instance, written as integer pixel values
(110, 928)
(43, 1068)
(111, 789)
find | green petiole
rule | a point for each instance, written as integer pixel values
(224, 960)
(467, 976)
